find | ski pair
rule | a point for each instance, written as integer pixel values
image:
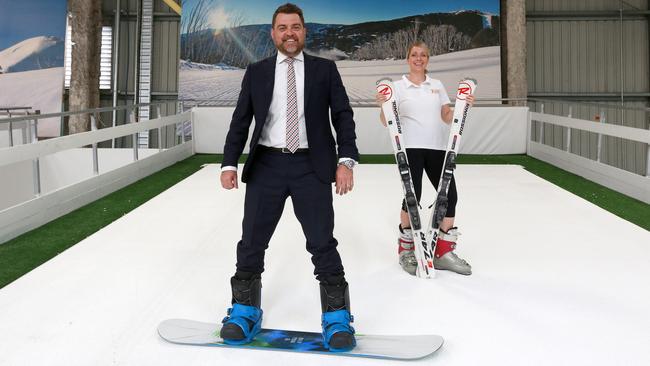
(425, 238)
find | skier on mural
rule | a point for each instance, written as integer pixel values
(292, 153)
(425, 115)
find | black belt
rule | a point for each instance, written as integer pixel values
(283, 150)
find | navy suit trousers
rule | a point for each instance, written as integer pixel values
(275, 176)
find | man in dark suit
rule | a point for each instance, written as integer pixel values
(292, 153)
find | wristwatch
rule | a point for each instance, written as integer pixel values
(349, 163)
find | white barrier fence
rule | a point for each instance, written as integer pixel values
(631, 184)
(43, 207)
(489, 130)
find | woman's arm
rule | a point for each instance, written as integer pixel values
(380, 99)
(447, 112)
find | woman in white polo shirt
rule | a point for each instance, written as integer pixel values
(426, 116)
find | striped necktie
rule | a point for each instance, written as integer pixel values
(293, 136)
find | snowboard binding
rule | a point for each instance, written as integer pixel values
(244, 319)
(338, 334)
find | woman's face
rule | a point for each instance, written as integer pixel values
(418, 59)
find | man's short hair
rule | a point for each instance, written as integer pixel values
(288, 8)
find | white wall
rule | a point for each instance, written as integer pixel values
(488, 130)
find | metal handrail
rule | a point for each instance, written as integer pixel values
(354, 102)
(590, 104)
(8, 109)
(84, 111)
(363, 102)
(228, 102)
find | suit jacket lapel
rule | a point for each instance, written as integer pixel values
(308, 80)
(269, 74)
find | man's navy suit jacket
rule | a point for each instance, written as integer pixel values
(323, 92)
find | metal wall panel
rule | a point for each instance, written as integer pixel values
(164, 77)
(165, 54)
(590, 5)
(583, 56)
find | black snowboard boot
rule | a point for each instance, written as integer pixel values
(338, 335)
(245, 317)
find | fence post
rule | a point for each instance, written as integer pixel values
(11, 132)
(600, 136)
(158, 115)
(135, 135)
(93, 127)
(541, 127)
(568, 131)
(33, 128)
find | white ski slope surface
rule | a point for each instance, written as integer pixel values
(557, 280)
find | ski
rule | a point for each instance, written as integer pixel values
(439, 207)
(423, 253)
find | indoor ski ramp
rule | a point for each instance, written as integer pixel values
(557, 280)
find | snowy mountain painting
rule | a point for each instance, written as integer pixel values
(32, 54)
(32, 34)
(31, 76)
(366, 41)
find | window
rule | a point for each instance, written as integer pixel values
(105, 58)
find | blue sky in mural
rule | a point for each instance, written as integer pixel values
(23, 19)
(338, 11)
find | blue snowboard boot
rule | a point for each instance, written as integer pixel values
(338, 335)
(244, 319)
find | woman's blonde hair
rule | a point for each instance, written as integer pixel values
(421, 45)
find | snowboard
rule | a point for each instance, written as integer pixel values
(400, 347)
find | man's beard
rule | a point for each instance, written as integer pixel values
(299, 47)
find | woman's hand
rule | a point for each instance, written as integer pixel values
(470, 100)
(380, 99)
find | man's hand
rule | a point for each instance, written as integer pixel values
(229, 179)
(344, 180)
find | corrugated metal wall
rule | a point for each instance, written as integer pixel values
(574, 53)
(164, 63)
(565, 5)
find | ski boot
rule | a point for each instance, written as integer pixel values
(406, 251)
(244, 319)
(444, 256)
(338, 335)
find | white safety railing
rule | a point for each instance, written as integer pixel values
(45, 207)
(634, 185)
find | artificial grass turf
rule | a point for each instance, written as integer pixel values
(26, 252)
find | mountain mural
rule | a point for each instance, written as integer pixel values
(36, 53)
(444, 32)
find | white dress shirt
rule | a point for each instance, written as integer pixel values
(274, 133)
